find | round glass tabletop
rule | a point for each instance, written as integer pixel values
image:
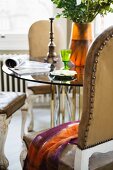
(48, 78)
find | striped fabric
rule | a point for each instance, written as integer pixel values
(47, 147)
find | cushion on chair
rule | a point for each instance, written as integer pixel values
(29, 137)
(10, 102)
(66, 158)
(56, 153)
(101, 161)
(98, 161)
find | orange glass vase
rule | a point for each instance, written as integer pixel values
(81, 38)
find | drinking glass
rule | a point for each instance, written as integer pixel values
(65, 56)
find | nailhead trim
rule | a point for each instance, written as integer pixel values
(92, 94)
(96, 144)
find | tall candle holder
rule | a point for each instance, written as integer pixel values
(51, 55)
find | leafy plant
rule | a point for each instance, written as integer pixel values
(85, 11)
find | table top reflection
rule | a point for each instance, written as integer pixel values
(47, 79)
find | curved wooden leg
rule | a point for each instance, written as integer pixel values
(31, 124)
(30, 102)
(23, 155)
(24, 110)
(3, 134)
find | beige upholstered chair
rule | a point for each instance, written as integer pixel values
(38, 38)
(10, 102)
(95, 136)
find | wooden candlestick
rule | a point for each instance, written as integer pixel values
(51, 55)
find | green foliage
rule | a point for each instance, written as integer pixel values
(86, 11)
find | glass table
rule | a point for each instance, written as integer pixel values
(59, 92)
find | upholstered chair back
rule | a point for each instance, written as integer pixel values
(96, 124)
(38, 38)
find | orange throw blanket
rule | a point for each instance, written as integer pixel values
(47, 145)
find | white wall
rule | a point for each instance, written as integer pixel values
(17, 16)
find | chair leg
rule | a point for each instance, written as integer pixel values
(24, 110)
(30, 111)
(30, 101)
(23, 155)
(3, 134)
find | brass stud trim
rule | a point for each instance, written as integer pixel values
(92, 94)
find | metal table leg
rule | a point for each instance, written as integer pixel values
(52, 105)
(73, 104)
(80, 101)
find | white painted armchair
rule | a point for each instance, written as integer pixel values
(10, 102)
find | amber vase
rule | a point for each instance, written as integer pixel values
(81, 38)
